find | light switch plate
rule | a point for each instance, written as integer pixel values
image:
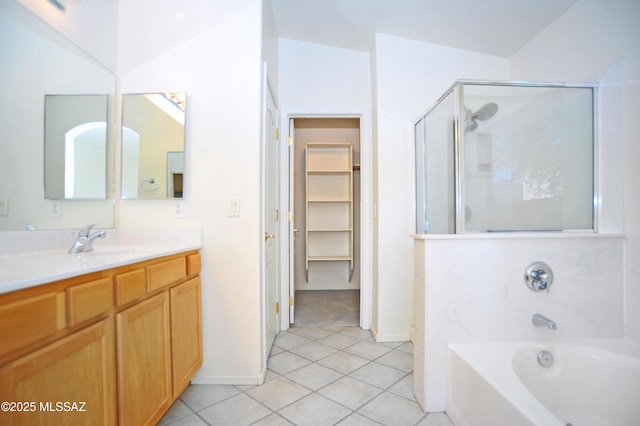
(234, 207)
(4, 206)
(178, 210)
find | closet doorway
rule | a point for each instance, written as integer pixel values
(326, 204)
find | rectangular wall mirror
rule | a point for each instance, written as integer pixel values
(75, 147)
(38, 61)
(153, 145)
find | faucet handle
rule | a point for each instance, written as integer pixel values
(538, 276)
(85, 230)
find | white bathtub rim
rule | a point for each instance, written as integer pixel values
(482, 356)
(504, 380)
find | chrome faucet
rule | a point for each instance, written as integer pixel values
(542, 321)
(84, 240)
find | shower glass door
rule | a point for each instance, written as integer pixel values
(528, 158)
(435, 164)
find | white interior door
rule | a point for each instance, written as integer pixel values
(270, 221)
(292, 226)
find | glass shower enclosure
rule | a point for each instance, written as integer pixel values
(507, 156)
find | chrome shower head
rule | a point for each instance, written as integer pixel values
(483, 113)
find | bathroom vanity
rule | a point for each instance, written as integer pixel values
(116, 345)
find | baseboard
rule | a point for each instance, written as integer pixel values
(374, 332)
(391, 337)
(228, 380)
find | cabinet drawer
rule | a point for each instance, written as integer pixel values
(29, 320)
(193, 264)
(130, 286)
(163, 274)
(86, 301)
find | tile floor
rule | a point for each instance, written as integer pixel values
(316, 376)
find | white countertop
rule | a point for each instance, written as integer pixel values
(29, 259)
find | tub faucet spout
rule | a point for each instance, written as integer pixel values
(84, 240)
(542, 321)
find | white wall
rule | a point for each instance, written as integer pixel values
(319, 79)
(90, 25)
(148, 28)
(409, 77)
(220, 69)
(600, 42)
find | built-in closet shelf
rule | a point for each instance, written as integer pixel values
(328, 258)
(329, 204)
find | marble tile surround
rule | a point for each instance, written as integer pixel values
(471, 289)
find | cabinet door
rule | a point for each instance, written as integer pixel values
(186, 333)
(144, 364)
(70, 382)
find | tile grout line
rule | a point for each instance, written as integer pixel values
(308, 339)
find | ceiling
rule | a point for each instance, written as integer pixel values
(495, 27)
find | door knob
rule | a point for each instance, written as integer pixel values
(267, 236)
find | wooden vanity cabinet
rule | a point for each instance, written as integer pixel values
(125, 342)
(159, 339)
(144, 363)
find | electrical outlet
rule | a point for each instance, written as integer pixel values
(234, 207)
(55, 209)
(4, 206)
(178, 210)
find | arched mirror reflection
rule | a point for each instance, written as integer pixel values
(153, 145)
(76, 147)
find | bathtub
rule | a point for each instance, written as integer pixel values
(590, 383)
